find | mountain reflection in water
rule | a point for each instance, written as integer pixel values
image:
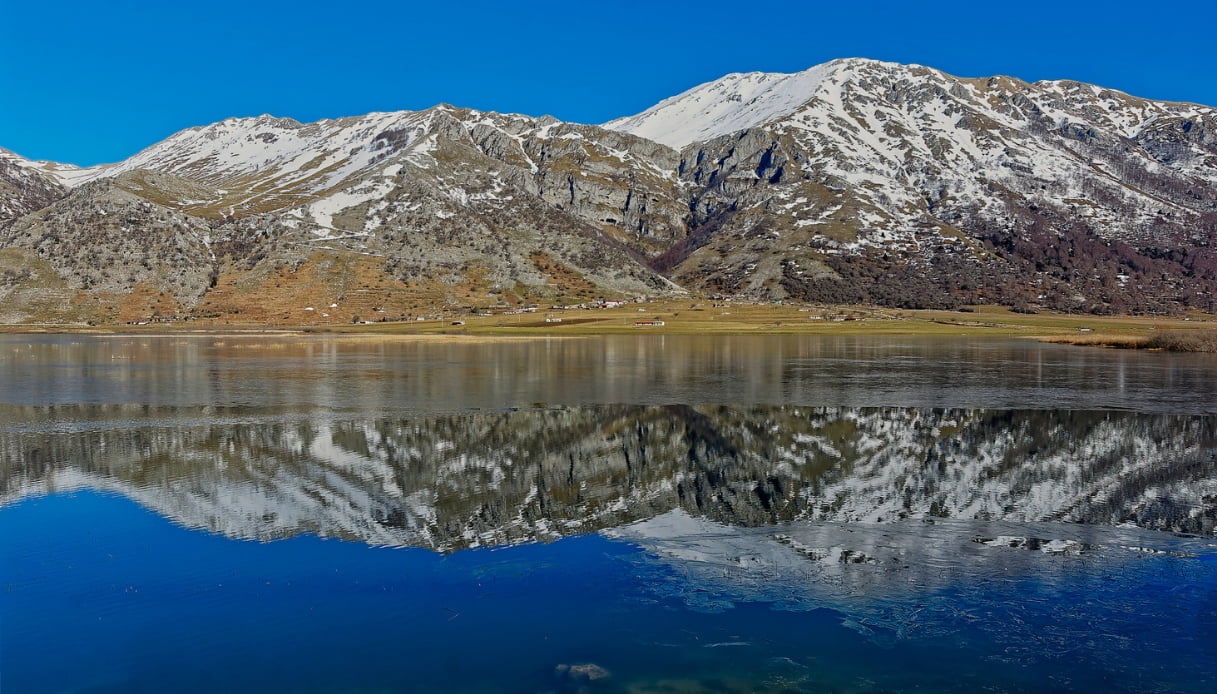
(952, 515)
(471, 479)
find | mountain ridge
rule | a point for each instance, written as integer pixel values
(852, 181)
(810, 79)
(923, 156)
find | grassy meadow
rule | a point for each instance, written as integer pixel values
(705, 317)
(698, 317)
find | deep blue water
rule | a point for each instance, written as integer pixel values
(250, 514)
(102, 595)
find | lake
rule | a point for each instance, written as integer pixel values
(616, 514)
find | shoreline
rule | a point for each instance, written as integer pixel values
(702, 317)
(1199, 341)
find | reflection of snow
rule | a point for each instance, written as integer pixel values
(1037, 585)
(925, 553)
(475, 479)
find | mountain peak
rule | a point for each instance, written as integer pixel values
(736, 102)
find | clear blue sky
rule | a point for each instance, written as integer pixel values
(89, 82)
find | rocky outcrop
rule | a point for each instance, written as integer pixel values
(24, 189)
(107, 241)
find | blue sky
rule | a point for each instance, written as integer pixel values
(90, 82)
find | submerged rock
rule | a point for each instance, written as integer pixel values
(582, 672)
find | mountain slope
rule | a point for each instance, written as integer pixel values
(726, 105)
(853, 181)
(267, 164)
(830, 180)
(412, 211)
(24, 188)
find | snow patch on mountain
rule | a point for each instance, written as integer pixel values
(372, 193)
(726, 105)
(732, 103)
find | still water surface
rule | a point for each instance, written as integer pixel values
(649, 514)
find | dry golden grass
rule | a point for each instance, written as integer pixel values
(1191, 340)
(275, 300)
(143, 302)
(703, 317)
(1204, 340)
(1107, 340)
(357, 284)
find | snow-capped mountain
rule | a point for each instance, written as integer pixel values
(859, 160)
(726, 105)
(417, 210)
(853, 181)
(318, 170)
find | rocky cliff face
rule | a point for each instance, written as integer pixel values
(854, 181)
(23, 188)
(451, 481)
